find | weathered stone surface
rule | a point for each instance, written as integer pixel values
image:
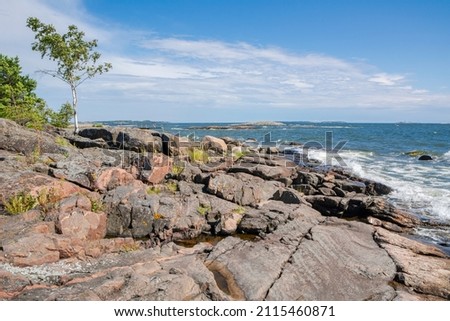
(161, 167)
(26, 141)
(242, 188)
(266, 172)
(111, 178)
(214, 143)
(35, 249)
(57, 251)
(82, 224)
(11, 285)
(382, 210)
(421, 267)
(339, 261)
(134, 139)
(250, 268)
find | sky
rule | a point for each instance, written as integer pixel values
(248, 60)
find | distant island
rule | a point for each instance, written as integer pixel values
(249, 125)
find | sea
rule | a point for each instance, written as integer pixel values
(385, 152)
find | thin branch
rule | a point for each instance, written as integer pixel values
(54, 74)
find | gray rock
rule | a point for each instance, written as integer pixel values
(242, 188)
(133, 139)
(339, 261)
(425, 158)
(264, 171)
(18, 139)
(351, 186)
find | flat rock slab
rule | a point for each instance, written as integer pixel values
(340, 261)
(249, 269)
(307, 259)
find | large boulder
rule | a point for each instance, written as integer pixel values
(26, 141)
(215, 144)
(133, 139)
(242, 188)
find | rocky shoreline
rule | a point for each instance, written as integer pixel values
(134, 214)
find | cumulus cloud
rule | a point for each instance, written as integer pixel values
(165, 73)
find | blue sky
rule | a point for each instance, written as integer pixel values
(186, 60)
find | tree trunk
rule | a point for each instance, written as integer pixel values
(74, 105)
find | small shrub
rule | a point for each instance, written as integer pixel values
(177, 169)
(47, 199)
(197, 155)
(203, 210)
(97, 125)
(60, 141)
(20, 203)
(172, 186)
(239, 154)
(97, 205)
(153, 190)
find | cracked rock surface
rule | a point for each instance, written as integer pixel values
(259, 229)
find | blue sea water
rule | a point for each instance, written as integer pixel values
(372, 150)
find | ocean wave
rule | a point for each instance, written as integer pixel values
(422, 189)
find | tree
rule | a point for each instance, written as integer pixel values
(62, 118)
(18, 101)
(75, 57)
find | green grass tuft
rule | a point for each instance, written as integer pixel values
(20, 203)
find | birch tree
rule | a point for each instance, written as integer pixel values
(75, 57)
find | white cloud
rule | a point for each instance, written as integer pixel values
(386, 79)
(167, 73)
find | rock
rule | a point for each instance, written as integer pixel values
(339, 261)
(425, 158)
(351, 186)
(327, 191)
(264, 171)
(376, 188)
(313, 179)
(82, 224)
(327, 205)
(268, 217)
(288, 196)
(111, 178)
(272, 150)
(34, 249)
(11, 284)
(214, 143)
(420, 267)
(242, 188)
(161, 167)
(382, 210)
(26, 141)
(122, 138)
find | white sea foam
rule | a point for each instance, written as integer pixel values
(424, 189)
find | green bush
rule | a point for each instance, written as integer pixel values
(198, 155)
(172, 186)
(62, 118)
(153, 190)
(20, 203)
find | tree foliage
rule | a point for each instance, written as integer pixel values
(75, 57)
(18, 101)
